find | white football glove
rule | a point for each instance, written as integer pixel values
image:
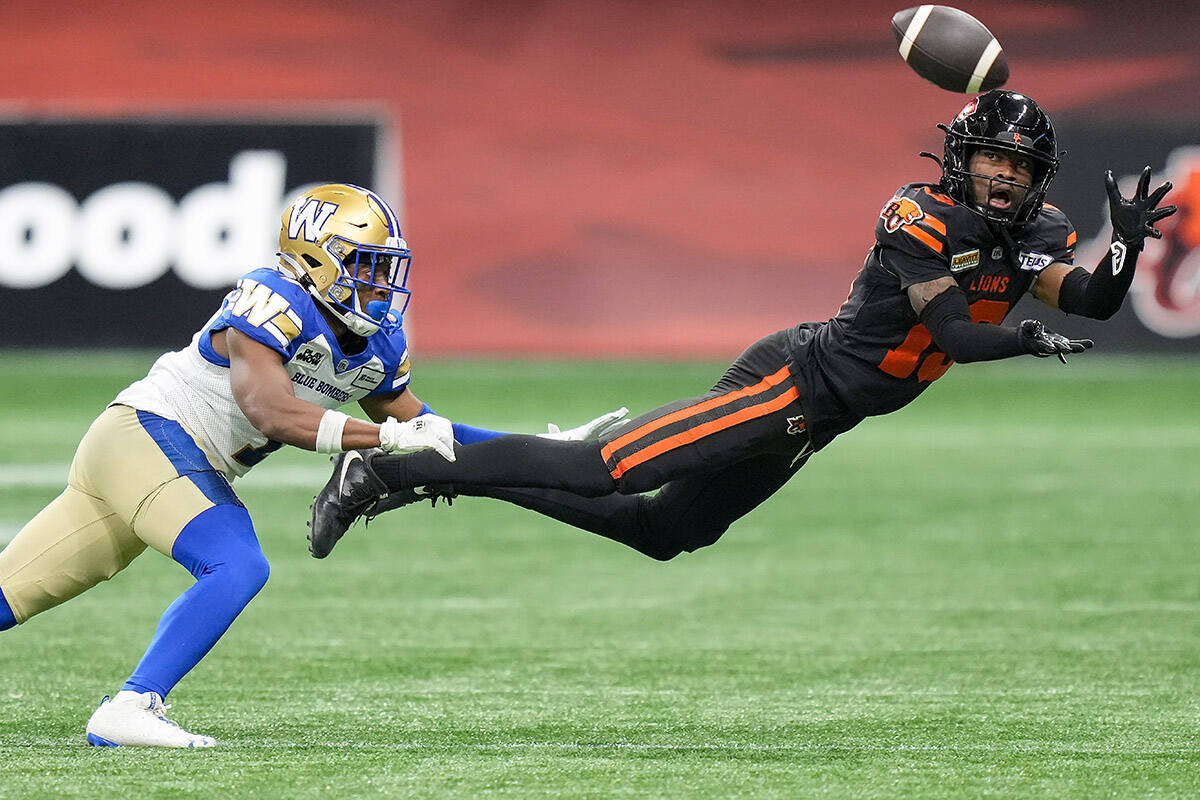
(426, 432)
(588, 430)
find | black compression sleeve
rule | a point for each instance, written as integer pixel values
(948, 319)
(1099, 294)
(513, 461)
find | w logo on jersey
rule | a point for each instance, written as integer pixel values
(309, 218)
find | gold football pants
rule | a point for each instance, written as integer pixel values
(136, 480)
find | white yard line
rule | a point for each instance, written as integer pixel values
(54, 475)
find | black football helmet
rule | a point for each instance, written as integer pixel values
(1001, 120)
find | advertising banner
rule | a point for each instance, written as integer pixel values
(129, 231)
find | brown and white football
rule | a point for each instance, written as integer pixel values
(950, 48)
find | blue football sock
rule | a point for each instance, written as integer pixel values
(469, 434)
(220, 549)
(7, 618)
(465, 434)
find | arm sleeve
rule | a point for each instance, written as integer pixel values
(1099, 294)
(466, 434)
(948, 319)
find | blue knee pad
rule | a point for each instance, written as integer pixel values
(221, 551)
(222, 541)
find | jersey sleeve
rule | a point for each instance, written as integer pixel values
(1058, 233)
(398, 366)
(268, 308)
(911, 235)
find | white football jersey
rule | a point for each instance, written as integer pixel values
(191, 386)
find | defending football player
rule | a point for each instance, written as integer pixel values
(288, 345)
(949, 262)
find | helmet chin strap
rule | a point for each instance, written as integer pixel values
(357, 325)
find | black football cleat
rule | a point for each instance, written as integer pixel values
(406, 497)
(351, 490)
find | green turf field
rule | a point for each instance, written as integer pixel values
(995, 592)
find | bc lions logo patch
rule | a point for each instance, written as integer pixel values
(795, 426)
(900, 211)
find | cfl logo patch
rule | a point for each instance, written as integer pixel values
(309, 218)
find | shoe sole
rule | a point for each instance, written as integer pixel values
(100, 741)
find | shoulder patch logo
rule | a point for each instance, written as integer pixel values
(960, 262)
(1035, 262)
(900, 211)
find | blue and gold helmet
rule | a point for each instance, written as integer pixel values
(339, 237)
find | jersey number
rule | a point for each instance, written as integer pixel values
(904, 360)
(249, 456)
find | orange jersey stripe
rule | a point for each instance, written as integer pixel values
(941, 198)
(707, 429)
(684, 413)
(936, 224)
(922, 236)
(1072, 237)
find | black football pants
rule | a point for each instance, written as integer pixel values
(714, 457)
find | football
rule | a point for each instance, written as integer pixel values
(950, 48)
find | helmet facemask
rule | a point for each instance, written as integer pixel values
(378, 268)
(957, 174)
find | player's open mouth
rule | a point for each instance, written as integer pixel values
(1000, 199)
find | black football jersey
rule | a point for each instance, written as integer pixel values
(875, 356)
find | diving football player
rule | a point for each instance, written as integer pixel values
(949, 262)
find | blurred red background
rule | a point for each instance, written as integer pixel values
(610, 178)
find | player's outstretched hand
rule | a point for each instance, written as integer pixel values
(1044, 343)
(588, 430)
(426, 432)
(1133, 219)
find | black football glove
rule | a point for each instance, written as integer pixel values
(1043, 343)
(1133, 219)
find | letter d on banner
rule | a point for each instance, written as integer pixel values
(227, 228)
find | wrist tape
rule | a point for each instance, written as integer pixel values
(329, 432)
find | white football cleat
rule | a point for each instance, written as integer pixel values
(138, 719)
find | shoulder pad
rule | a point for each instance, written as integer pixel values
(914, 220)
(269, 307)
(1053, 232)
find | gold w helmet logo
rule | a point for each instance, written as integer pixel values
(309, 217)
